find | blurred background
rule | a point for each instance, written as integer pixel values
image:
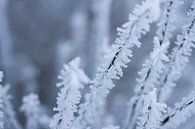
(38, 36)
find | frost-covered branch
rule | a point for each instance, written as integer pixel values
(179, 57)
(9, 118)
(128, 37)
(154, 66)
(180, 113)
(99, 43)
(151, 113)
(72, 79)
(33, 110)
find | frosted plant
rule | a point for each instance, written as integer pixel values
(179, 57)
(8, 118)
(111, 127)
(152, 112)
(180, 113)
(128, 37)
(72, 80)
(150, 74)
(33, 111)
(99, 41)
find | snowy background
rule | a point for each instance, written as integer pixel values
(38, 36)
